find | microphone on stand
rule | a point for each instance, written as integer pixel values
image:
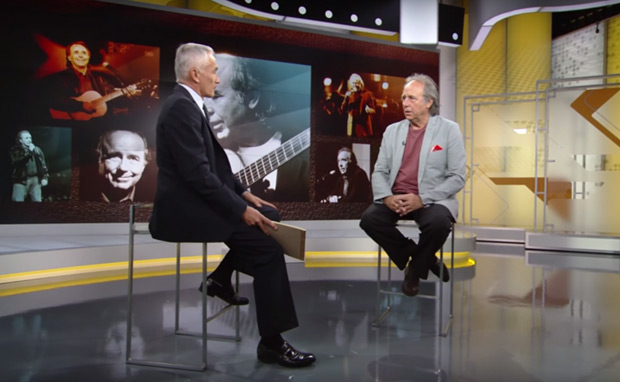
(114, 71)
(329, 174)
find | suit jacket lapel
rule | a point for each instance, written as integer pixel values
(214, 150)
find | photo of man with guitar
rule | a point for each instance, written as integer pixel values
(84, 91)
(261, 116)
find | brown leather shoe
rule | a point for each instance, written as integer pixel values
(411, 285)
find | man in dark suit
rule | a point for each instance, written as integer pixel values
(199, 200)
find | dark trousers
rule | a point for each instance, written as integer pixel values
(434, 221)
(260, 256)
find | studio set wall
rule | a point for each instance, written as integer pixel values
(288, 101)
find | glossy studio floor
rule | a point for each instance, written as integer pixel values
(514, 319)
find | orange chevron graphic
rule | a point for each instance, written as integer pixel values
(589, 102)
(556, 189)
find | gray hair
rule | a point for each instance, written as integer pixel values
(430, 90)
(187, 56)
(246, 79)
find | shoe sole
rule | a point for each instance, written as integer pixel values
(276, 359)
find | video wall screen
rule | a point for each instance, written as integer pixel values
(83, 93)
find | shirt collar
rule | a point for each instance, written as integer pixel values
(195, 96)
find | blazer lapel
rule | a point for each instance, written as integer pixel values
(401, 139)
(431, 129)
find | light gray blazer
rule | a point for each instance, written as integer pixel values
(442, 162)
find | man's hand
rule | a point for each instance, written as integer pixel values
(88, 107)
(252, 217)
(403, 204)
(255, 200)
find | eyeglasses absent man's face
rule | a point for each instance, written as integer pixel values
(230, 111)
(414, 104)
(208, 75)
(25, 139)
(124, 160)
(344, 160)
(79, 56)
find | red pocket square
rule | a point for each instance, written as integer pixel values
(436, 148)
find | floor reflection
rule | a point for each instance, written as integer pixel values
(511, 322)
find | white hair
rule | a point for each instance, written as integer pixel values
(189, 55)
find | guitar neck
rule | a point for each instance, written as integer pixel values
(121, 92)
(270, 162)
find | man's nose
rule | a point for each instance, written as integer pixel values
(124, 165)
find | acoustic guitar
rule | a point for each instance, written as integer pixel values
(276, 158)
(98, 102)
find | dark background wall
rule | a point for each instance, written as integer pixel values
(143, 42)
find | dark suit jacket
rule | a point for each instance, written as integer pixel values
(198, 198)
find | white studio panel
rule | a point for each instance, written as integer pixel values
(419, 21)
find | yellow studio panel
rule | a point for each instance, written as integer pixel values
(613, 47)
(528, 51)
(482, 71)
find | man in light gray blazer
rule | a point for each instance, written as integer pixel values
(419, 170)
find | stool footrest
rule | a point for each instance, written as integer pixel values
(167, 365)
(216, 337)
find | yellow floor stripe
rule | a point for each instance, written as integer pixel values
(26, 282)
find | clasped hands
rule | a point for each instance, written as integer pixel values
(403, 204)
(252, 217)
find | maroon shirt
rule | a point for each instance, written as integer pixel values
(407, 179)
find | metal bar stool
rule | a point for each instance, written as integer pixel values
(134, 230)
(444, 329)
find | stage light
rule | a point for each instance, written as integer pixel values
(376, 17)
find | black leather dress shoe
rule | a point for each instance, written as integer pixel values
(411, 285)
(286, 356)
(215, 289)
(435, 269)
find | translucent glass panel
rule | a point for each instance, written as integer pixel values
(503, 153)
(561, 175)
(584, 151)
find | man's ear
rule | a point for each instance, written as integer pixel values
(193, 75)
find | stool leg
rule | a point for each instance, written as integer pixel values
(446, 329)
(204, 304)
(237, 311)
(383, 315)
(130, 285)
(177, 287)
